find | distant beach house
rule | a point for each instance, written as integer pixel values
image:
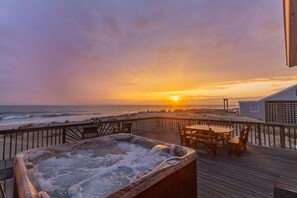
(280, 107)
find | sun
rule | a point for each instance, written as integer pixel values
(175, 98)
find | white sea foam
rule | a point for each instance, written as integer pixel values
(97, 173)
(11, 117)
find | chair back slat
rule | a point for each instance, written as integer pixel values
(239, 146)
(244, 133)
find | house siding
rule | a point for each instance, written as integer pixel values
(288, 94)
(245, 110)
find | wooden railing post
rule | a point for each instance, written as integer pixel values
(64, 136)
(158, 124)
(282, 137)
(259, 135)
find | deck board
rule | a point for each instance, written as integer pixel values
(253, 174)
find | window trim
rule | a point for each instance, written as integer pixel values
(254, 111)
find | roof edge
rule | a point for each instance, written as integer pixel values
(279, 92)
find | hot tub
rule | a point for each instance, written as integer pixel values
(121, 165)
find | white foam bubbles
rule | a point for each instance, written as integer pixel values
(98, 172)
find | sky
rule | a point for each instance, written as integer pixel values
(141, 51)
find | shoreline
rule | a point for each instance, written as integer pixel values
(212, 114)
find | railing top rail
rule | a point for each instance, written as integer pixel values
(59, 126)
(211, 120)
(39, 128)
(232, 121)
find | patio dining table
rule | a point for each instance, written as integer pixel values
(223, 133)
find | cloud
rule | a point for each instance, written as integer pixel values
(74, 52)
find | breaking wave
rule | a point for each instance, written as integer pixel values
(12, 117)
(51, 115)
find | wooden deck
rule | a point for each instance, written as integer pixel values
(253, 174)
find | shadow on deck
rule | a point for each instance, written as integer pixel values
(253, 174)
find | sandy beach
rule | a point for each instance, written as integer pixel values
(211, 114)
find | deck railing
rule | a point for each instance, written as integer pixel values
(17, 140)
(262, 134)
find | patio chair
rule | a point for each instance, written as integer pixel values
(99, 128)
(126, 127)
(90, 131)
(238, 143)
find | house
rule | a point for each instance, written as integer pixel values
(280, 107)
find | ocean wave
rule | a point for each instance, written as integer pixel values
(59, 115)
(67, 114)
(23, 112)
(47, 115)
(13, 117)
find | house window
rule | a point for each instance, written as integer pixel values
(254, 107)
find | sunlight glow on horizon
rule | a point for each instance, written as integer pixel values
(214, 93)
(175, 98)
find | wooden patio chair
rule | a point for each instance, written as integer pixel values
(238, 143)
(99, 128)
(206, 137)
(125, 127)
(90, 131)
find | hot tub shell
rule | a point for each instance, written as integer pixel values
(178, 180)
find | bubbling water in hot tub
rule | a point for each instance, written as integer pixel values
(99, 172)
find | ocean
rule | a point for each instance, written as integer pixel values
(27, 114)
